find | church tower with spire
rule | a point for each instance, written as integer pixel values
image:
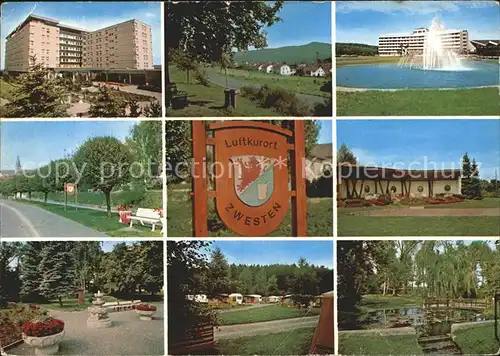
(19, 168)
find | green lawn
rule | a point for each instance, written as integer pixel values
(98, 220)
(7, 90)
(469, 204)
(463, 102)
(373, 344)
(293, 83)
(149, 199)
(269, 312)
(209, 101)
(378, 301)
(418, 225)
(349, 61)
(319, 218)
(295, 342)
(477, 340)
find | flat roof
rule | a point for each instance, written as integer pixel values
(417, 34)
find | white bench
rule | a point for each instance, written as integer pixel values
(147, 216)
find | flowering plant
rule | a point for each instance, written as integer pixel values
(123, 207)
(46, 327)
(34, 307)
(145, 307)
(159, 210)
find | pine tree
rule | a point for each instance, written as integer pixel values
(57, 270)
(218, 273)
(38, 95)
(466, 174)
(30, 275)
(345, 155)
(475, 183)
(106, 105)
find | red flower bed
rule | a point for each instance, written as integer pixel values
(40, 328)
(145, 307)
(34, 307)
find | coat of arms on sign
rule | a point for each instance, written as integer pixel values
(253, 178)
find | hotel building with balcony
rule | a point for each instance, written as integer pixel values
(398, 43)
(126, 45)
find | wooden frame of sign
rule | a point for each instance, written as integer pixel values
(251, 184)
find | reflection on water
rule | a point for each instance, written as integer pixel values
(433, 321)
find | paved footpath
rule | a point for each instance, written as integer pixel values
(25, 220)
(127, 336)
(266, 327)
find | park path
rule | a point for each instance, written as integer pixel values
(436, 212)
(25, 220)
(127, 336)
(254, 306)
(407, 330)
(220, 79)
(274, 326)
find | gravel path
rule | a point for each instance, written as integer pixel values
(127, 336)
(24, 220)
(275, 326)
(220, 79)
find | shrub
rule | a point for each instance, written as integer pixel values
(283, 101)
(201, 77)
(150, 87)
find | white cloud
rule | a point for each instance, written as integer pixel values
(411, 7)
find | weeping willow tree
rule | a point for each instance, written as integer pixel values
(445, 269)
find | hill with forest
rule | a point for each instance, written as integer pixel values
(290, 54)
(359, 49)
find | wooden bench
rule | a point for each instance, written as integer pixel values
(147, 216)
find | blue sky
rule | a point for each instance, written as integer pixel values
(89, 16)
(272, 252)
(37, 143)
(325, 133)
(386, 142)
(301, 23)
(364, 21)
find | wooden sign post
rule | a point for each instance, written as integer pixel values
(69, 189)
(251, 173)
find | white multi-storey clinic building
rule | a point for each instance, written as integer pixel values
(397, 43)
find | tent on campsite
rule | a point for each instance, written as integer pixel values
(322, 342)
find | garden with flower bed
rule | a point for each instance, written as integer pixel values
(383, 200)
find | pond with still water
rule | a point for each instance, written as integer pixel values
(433, 320)
(393, 76)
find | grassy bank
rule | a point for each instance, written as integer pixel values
(378, 301)
(417, 225)
(293, 83)
(145, 199)
(209, 101)
(319, 218)
(373, 344)
(99, 221)
(477, 340)
(295, 342)
(350, 61)
(463, 102)
(266, 313)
